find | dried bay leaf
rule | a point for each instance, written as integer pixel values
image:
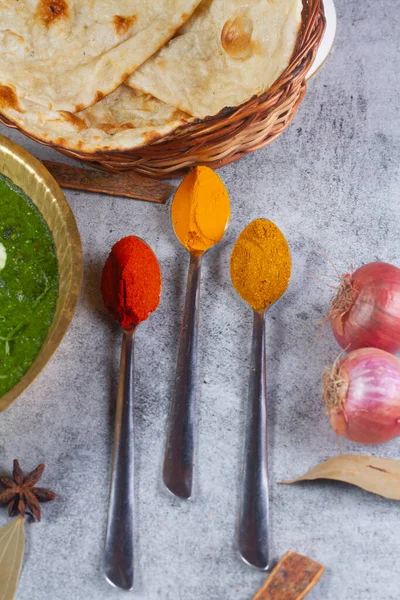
(12, 543)
(379, 476)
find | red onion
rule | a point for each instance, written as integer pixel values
(362, 395)
(366, 310)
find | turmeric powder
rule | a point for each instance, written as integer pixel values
(200, 210)
(261, 264)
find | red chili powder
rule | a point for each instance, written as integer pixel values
(131, 282)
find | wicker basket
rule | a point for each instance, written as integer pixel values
(222, 139)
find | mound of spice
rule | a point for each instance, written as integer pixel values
(200, 210)
(261, 264)
(131, 282)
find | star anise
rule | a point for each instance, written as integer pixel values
(21, 494)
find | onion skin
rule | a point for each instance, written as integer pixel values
(373, 317)
(362, 394)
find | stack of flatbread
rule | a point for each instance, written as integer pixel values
(100, 75)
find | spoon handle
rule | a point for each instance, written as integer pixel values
(178, 459)
(253, 521)
(119, 547)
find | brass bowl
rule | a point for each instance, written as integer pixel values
(33, 178)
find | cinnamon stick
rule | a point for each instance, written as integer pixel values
(128, 184)
(291, 579)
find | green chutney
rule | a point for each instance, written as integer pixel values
(28, 283)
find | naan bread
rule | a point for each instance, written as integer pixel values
(125, 119)
(226, 53)
(69, 54)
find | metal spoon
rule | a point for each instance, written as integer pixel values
(254, 510)
(179, 450)
(119, 552)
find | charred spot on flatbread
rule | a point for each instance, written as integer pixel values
(112, 128)
(50, 11)
(151, 136)
(69, 117)
(123, 24)
(8, 98)
(98, 96)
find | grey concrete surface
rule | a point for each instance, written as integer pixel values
(331, 182)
